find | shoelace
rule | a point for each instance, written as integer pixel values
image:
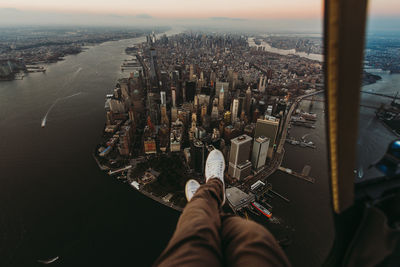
(213, 166)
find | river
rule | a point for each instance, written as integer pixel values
(54, 201)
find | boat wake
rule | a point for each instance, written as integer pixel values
(44, 119)
(78, 70)
(49, 260)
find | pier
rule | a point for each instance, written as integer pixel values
(119, 170)
(298, 175)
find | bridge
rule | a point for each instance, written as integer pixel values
(379, 94)
(361, 105)
(288, 117)
(364, 92)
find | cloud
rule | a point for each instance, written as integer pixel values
(143, 16)
(9, 9)
(115, 16)
(227, 18)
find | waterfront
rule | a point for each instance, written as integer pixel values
(310, 208)
(271, 49)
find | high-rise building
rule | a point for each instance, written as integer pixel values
(262, 84)
(174, 114)
(203, 99)
(124, 140)
(191, 71)
(227, 117)
(153, 107)
(163, 96)
(256, 115)
(221, 99)
(116, 106)
(190, 90)
(219, 86)
(269, 129)
(150, 145)
(164, 116)
(203, 111)
(198, 156)
(235, 109)
(243, 170)
(193, 128)
(242, 103)
(124, 88)
(153, 64)
(248, 102)
(163, 136)
(137, 101)
(260, 152)
(109, 118)
(214, 110)
(239, 155)
(173, 94)
(176, 136)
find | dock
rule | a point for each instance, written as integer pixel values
(299, 175)
(279, 195)
(119, 170)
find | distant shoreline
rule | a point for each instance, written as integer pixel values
(16, 67)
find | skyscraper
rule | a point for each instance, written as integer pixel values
(203, 111)
(221, 85)
(260, 152)
(239, 155)
(193, 127)
(267, 128)
(163, 136)
(221, 99)
(191, 72)
(176, 136)
(235, 109)
(164, 116)
(190, 90)
(153, 65)
(198, 156)
(248, 102)
(214, 110)
(174, 114)
(263, 84)
(173, 94)
(125, 140)
(163, 98)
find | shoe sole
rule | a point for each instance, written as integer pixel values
(186, 189)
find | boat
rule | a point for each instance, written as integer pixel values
(309, 116)
(292, 141)
(261, 209)
(43, 122)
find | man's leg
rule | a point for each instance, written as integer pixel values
(197, 241)
(246, 243)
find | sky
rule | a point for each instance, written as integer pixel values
(273, 14)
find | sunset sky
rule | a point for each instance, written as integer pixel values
(285, 13)
(257, 9)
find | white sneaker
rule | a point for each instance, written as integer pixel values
(215, 168)
(191, 188)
